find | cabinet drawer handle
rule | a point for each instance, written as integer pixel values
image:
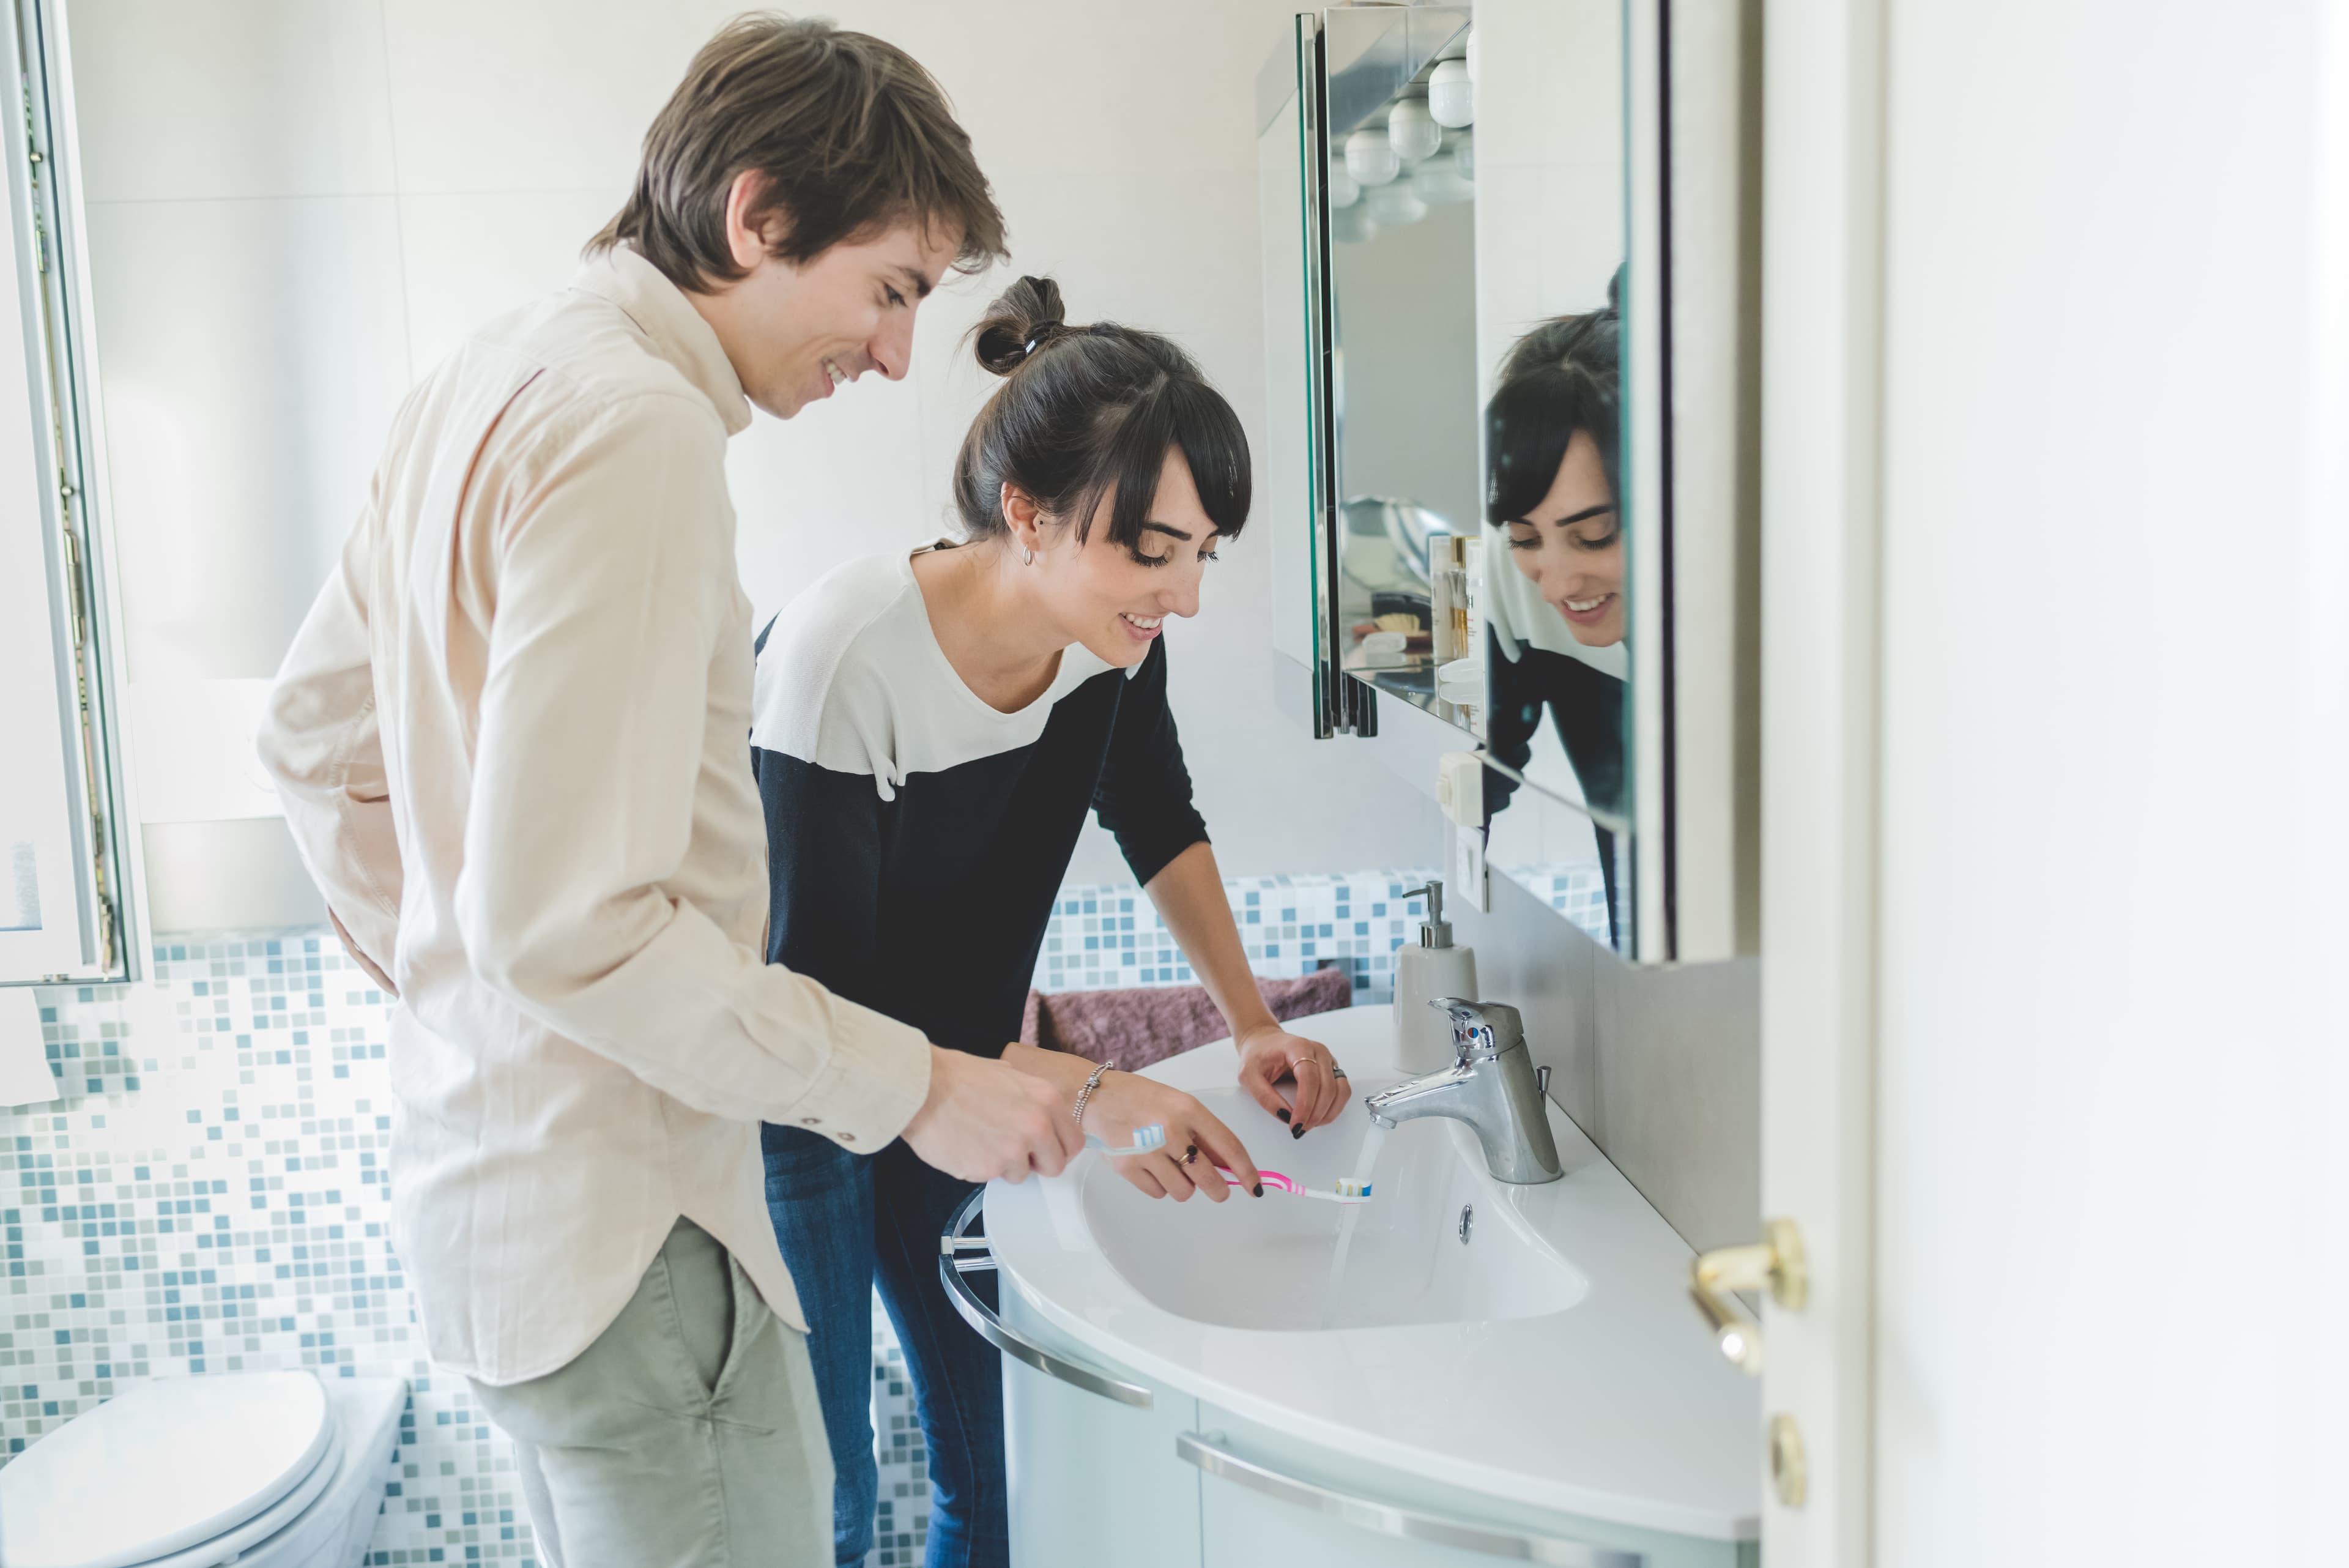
(1208, 1451)
(953, 1262)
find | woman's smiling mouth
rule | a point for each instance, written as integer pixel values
(1142, 627)
(1587, 612)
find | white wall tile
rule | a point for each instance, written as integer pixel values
(183, 99)
(533, 95)
(468, 257)
(537, 94)
(841, 479)
(1548, 241)
(251, 356)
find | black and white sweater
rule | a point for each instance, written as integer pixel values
(916, 836)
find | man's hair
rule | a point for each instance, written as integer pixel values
(850, 135)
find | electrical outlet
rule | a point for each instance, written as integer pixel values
(1460, 788)
(1469, 883)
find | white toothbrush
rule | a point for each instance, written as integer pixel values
(1145, 1140)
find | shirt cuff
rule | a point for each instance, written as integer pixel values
(876, 1079)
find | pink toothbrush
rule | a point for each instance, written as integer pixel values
(1345, 1189)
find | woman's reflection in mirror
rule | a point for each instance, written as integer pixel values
(1556, 622)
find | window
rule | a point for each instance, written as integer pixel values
(64, 897)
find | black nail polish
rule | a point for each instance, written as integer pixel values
(1282, 1115)
(1259, 1189)
(1296, 1132)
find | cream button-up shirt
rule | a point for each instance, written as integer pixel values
(512, 742)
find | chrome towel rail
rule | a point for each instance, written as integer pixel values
(960, 1254)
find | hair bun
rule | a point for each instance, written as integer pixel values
(1023, 318)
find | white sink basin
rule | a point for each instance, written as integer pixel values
(1554, 1360)
(1267, 1262)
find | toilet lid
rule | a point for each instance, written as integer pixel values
(164, 1467)
(288, 1513)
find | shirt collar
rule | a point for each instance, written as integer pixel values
(679, 333)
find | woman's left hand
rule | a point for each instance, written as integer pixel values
(1271, 1054)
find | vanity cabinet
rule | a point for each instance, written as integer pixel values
(1094, 1480)
(1274, 1501)
(1186, 1484)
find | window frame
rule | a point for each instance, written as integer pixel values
(50, 267)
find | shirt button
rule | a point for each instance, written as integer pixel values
(848, 1137)
(811, 1121)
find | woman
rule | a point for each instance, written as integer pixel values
(929, 732)
(1557, 623)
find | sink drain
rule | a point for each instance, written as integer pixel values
(1467, 1221)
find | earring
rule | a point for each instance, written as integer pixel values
(1027, 557)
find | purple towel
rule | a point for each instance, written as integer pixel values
(1132, 1029)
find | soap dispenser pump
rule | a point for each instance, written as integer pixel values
(1434, 968)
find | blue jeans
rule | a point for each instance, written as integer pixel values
(848, 1222)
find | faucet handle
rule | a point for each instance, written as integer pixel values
(1480, 1028)
(1465, 1019)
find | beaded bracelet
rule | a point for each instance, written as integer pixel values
(1087, 1092)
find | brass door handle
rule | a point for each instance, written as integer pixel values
(1773, 1263)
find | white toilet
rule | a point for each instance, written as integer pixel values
(265, 1469)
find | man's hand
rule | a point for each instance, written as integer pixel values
(984, 1121)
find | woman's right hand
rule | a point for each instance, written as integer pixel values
(1196, 1141)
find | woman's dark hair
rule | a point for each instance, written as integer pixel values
(850, 133)
(1089, 411)
(1562, 376)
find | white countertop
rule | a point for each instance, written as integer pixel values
(1617, 1408)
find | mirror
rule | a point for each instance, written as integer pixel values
(1400, 146)
(1616, 289)
(1558, 612)
(1290, 486)
(1511, 284)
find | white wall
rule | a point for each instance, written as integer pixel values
(1405, 305)
(298, 205)
(2112, 1202)
(1549, 166)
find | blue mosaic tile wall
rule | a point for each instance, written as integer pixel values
(208, 1194)
(1109, 938)
(1578, 891)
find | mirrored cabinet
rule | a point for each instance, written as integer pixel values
(1367, 157)
(1510, 288)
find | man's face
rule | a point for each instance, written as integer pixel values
(795, 332)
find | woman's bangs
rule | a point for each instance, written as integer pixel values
(1216, 450)
(1527, 427)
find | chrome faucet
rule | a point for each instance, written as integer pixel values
(1492, 1084)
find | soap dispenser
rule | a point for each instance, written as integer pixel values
(1432, 969)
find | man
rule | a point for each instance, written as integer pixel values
(512, 741)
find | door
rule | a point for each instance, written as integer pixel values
(2053, 1025)
(1821, 237)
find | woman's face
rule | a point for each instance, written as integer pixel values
(1115, 599)
(1570, 547)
